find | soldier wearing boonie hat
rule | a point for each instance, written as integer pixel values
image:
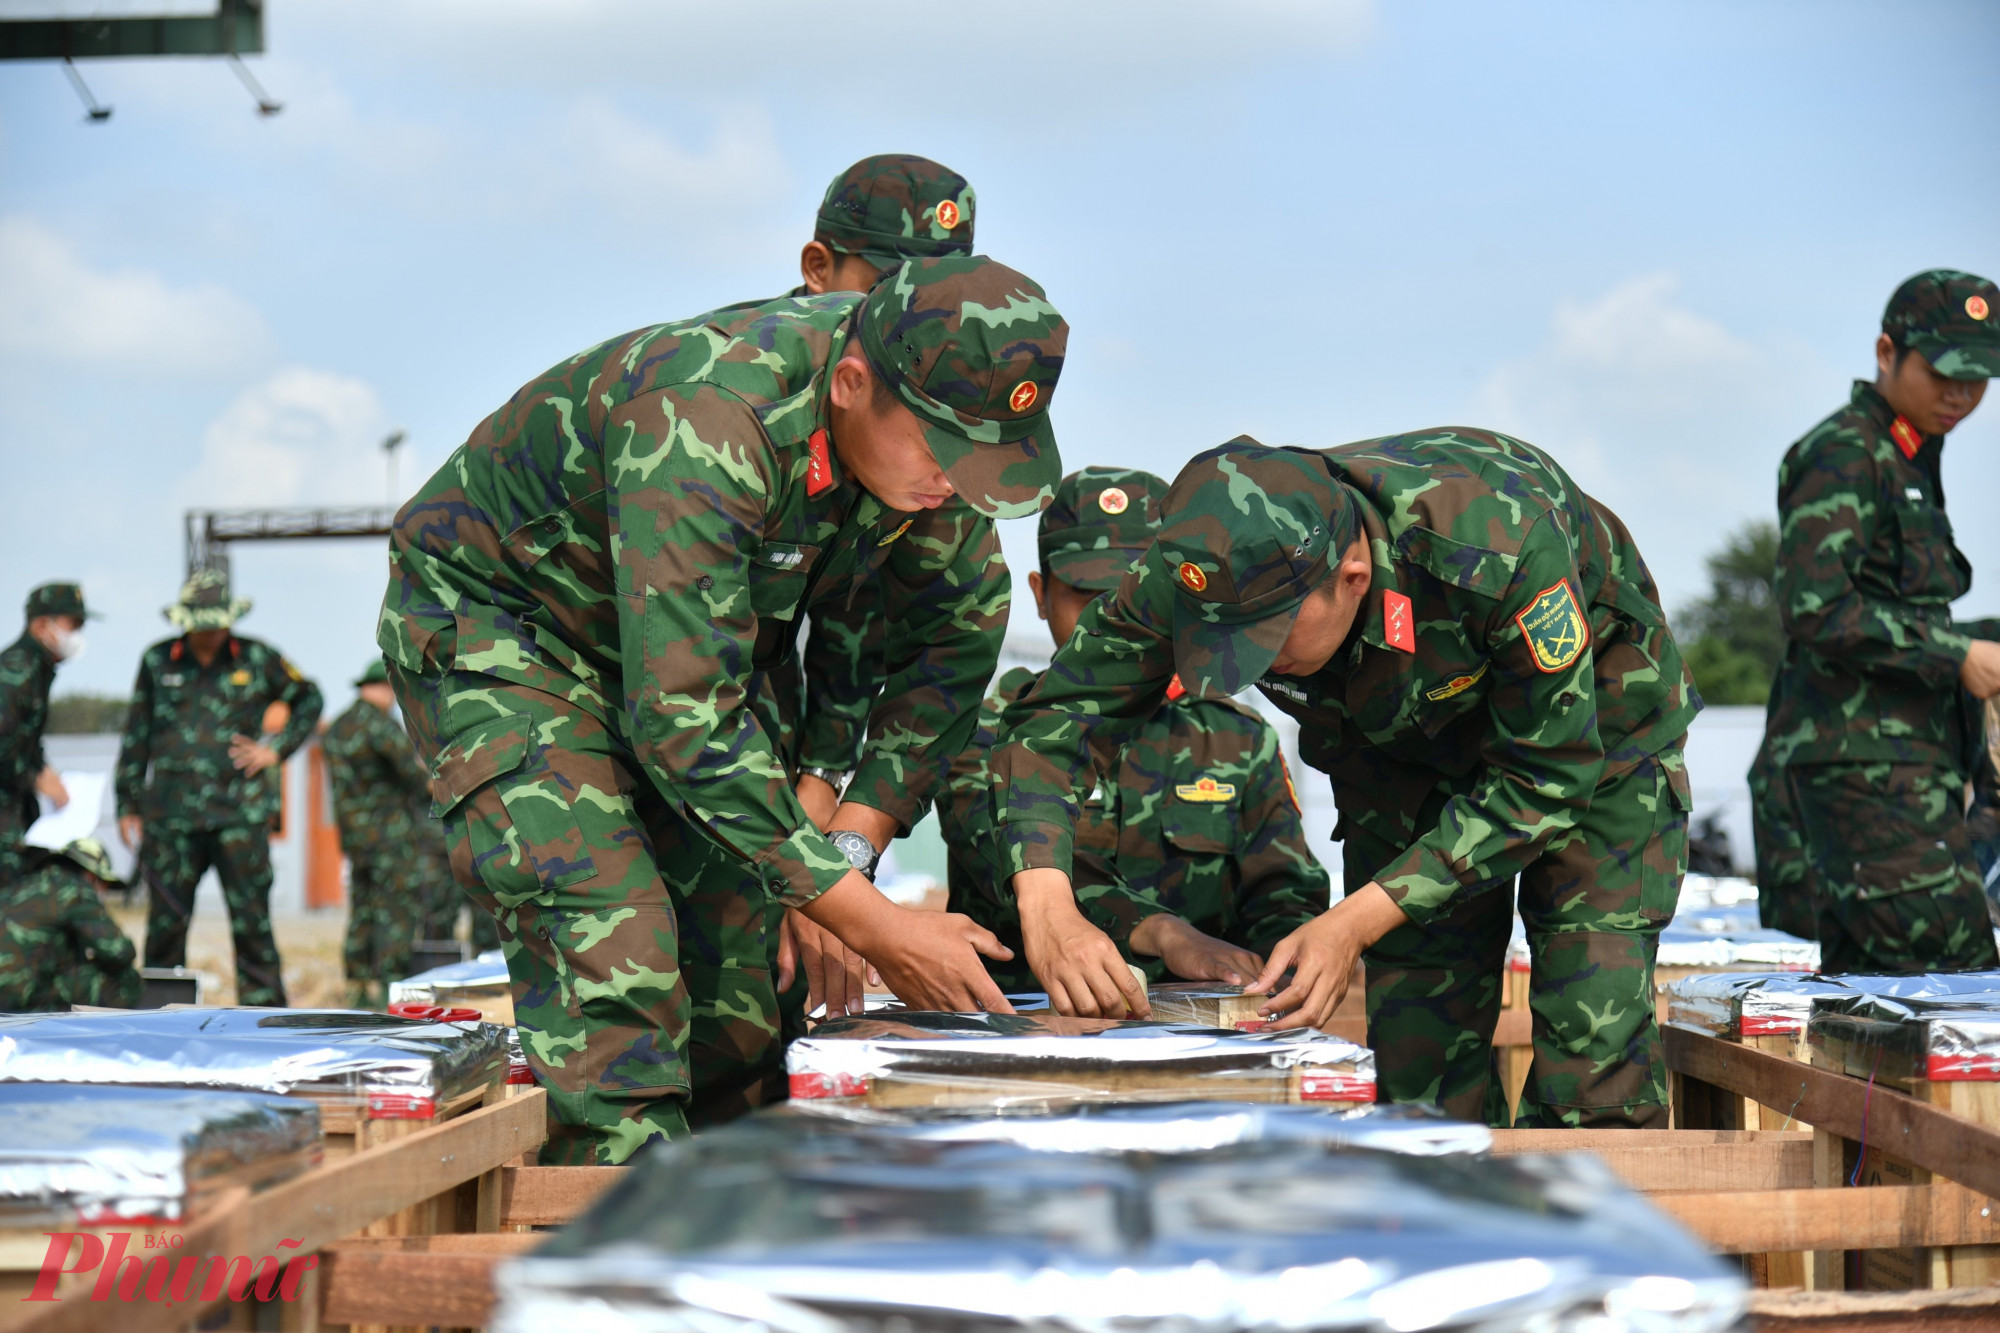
(1477, 657)
(584, 602)
(1191, 853)
(1872, 729)
(53, 635)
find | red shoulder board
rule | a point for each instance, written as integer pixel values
(174, 653)
(1174, 688)
(819, 473)
(1906, 437)
(1398, 628)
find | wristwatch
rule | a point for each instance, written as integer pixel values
(860, 852)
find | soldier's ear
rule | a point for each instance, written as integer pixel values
(1037, 587)
(850, 383)
(816, 267)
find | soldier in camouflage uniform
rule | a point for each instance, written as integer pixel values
(1190, 853)
(58, 946)
(582, 604)
(1477, 655)
(1873, 722)
(54, 633)
(381, 800)
(198, 785)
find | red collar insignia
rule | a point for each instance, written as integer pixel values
(1906, 437)
(819, 473)
(1398, 626)
(1174, 688)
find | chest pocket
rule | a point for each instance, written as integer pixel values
(780, 574)
(1933, 570)
(1442, 703)
(1203, 822)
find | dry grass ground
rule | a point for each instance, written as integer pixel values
(308, 945)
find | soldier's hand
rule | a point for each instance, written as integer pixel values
(130, 827)
(836, 976)
(929, 959)
(49, 783)
(1981, 669)
(250, 756)
(1322, 954)
(1077, 964)
(1192, 955)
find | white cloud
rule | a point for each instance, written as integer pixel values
(1663, 413)
(302, 436)
(54, 305)
(644, 176)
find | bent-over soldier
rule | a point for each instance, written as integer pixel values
(58, 945)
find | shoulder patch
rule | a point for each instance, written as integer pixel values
(1457, 685)
(1554, 628)
(1906, 437)
(1397, 629)
(819, 469)
(1290, 790)
(290, 670)
(1206, 790)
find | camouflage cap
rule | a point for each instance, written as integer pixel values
(1100, 523)
(1249, 531)
(893, 207)
(375, 673)
(974, 349)
(205, 603)
(59, 599)
(90, 854)
(1952, 318)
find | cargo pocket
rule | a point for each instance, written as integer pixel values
(1663, 864)
(523, 835)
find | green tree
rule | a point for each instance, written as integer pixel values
(81, 714)
(1733, 639)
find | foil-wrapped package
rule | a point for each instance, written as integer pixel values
(1948, 1038)
(1733, 940)
(1038, 1061)
(1746, 1004)
(480, 983)
(1207, 1004)
(78, 1154)
(806, 1225)
(372, 1065)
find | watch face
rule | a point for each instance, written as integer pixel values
(860, 853)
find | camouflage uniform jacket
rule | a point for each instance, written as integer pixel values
(54, 935)
(1468, 675)
(182, 717)
(379, 790)
(1194, 815)
(637, 533)
(1867, 572)
(26, 672)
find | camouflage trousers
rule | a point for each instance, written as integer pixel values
(171, 864)
(1784, 881)
(637, 951)
(1898, 889)
(1593, 905)
(385, 900)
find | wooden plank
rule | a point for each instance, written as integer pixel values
(1924, 1135)
(1959, 1311)
(322, 1206)
(1680, 1159)
(1516, 1027)
(1756, 1221)
(544, 1196)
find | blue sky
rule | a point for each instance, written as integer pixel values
(1654, 239)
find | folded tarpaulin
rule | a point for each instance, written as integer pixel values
(804, 1224)
(1747, 1004)
(1000, 1061)
(98, 1155)
(1942, 1038)
(378, 1066)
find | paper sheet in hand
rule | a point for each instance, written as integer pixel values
(57, 829)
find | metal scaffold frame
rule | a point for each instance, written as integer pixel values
(210, 531)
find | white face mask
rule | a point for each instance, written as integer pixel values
(69, 644)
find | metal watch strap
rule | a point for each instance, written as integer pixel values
(833, 778)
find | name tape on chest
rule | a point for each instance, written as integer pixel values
(1398, 625)
(1206, 791)
(1554, 628)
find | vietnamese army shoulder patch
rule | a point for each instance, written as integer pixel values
(1554, 628)
(1206, 790)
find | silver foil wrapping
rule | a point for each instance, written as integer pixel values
(373, 1064)
(1746, 1004)
(785, 1223)
(1949, 1037)
(998, 1062)
(79, 1154)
